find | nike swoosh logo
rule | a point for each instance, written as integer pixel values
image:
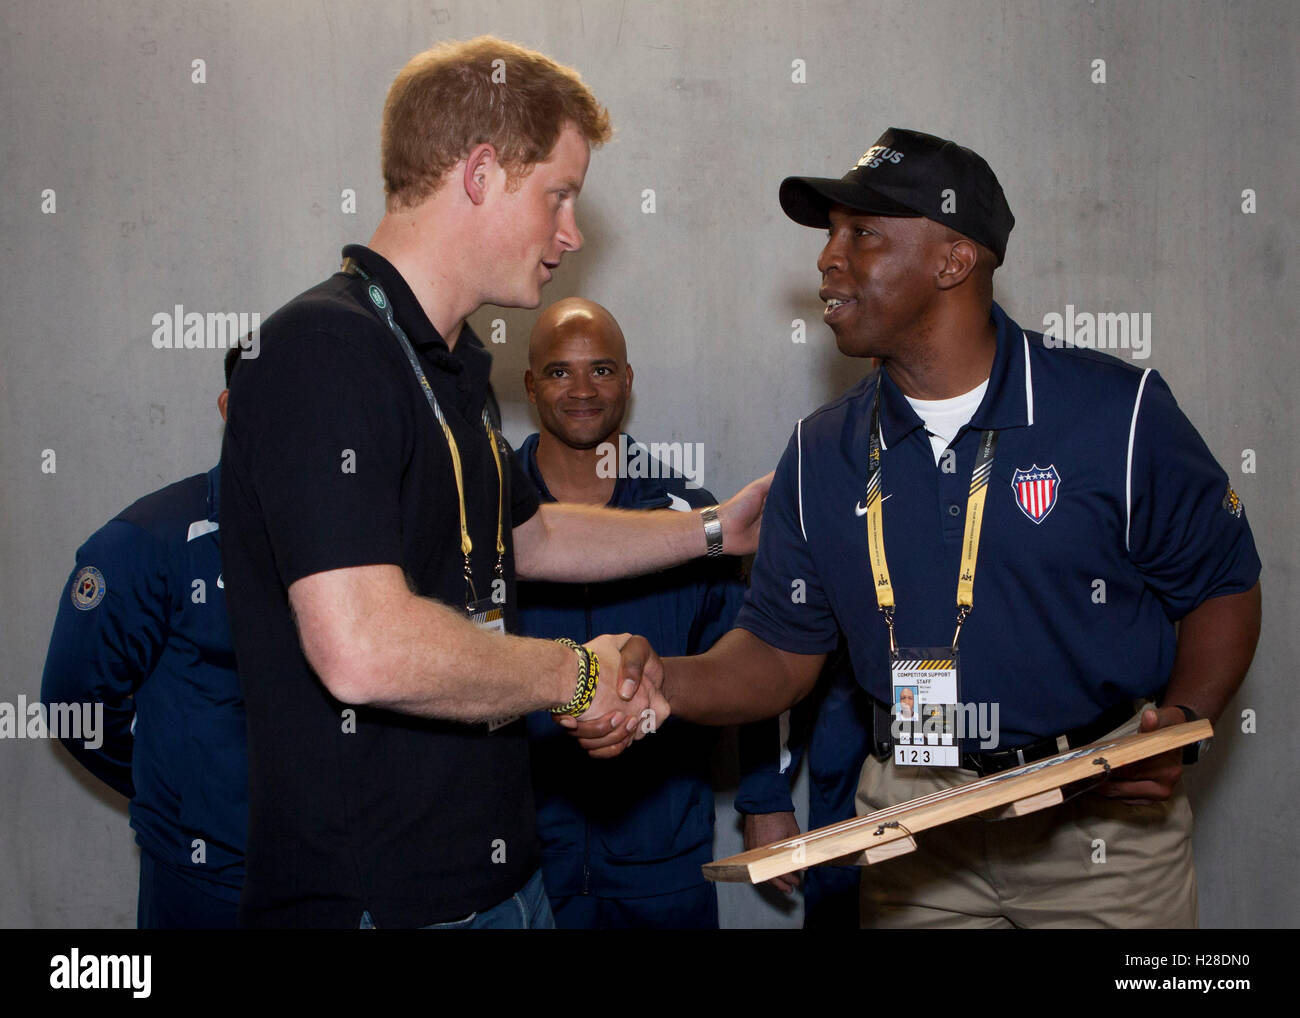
(861, 510)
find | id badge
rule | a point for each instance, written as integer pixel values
(924, 683)
(487, 614)
(491, 616)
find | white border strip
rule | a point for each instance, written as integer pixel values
(783, 735)
(880, 380)
(1029, 381)
(1128, 470)
(799, 445)
(200, 527)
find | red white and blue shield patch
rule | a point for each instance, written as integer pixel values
(1036, 490)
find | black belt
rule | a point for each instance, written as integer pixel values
(1003, 759)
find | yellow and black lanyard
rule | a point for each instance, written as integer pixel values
(385, 307)
(970, 545)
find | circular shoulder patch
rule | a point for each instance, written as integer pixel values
(88, 588)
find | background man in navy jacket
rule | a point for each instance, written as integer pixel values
(833, 728)
(623, 840)
(142, 630)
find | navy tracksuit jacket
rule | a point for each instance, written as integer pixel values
(142, 629)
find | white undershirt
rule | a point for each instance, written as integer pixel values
(945, 417)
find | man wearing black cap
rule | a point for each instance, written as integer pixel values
(1030, 522)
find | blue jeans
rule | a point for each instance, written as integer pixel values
(526, 909)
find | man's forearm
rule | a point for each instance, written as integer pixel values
(579, 544)
(433, 662)
(1216, 642)
(374, 643)
(740, 679)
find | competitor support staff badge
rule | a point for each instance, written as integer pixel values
(924, 684)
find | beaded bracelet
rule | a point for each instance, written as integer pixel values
(588, 676)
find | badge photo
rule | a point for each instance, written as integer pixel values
(905, 703)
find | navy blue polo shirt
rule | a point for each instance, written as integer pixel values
(1107, 520)
(641, 824)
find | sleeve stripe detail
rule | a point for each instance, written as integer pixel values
(799, 445)
(1029, 382)
(879, 377)
(783, 734)
(1128, 472)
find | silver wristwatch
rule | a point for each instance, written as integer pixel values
(712, 530)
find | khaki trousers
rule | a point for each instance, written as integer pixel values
(1090, 862)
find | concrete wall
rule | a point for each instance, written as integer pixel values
(226, 196)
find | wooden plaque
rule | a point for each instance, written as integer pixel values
(877, 836)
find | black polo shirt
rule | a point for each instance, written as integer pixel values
(333, 458)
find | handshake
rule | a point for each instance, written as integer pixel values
(628, 703)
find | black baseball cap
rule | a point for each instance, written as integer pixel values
(910, 174)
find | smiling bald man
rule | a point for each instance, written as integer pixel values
(622, 840)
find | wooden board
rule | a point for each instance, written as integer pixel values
(888, 832)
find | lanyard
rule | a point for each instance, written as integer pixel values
(970, 545)
(385, 307)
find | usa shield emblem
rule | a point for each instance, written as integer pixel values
(1036, 490)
